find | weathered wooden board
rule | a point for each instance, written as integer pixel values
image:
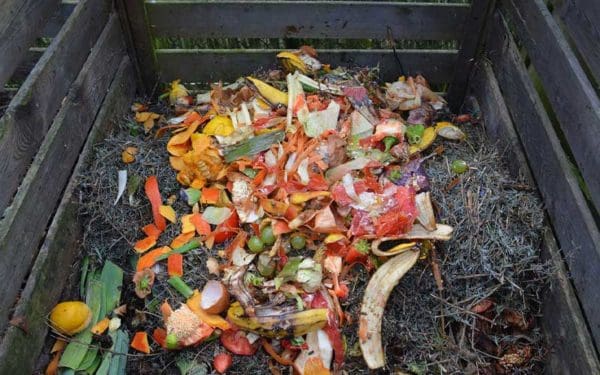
(27, 119)
(27, 64)
(213, 65)
(17, 33)
(571, 94)
(19, 350)
(571, 349)
(58, 19)
(498, 125)
(25, 221)
(573, 223)
(470, 44)
(297, 19)
(581, 20)
(139, 42)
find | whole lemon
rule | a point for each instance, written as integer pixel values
(70, 317)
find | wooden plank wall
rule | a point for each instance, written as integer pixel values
(18, 349)
(30, 113)
(288, 20)
(228, 65)
(556, 143)
(570, 345)
(58, 137)
(16, 33)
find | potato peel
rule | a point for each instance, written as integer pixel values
(376, 295)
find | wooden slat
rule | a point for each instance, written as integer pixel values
(571, 349)
(571, 218)
(299, 19)
(58, 19)
(227, 65)
(139, 43)
(27, 64)
(31, 111)
(470, 44)
(581, 20)
(498, 125)
(573, 98)
(19, 350)
(25, 221)
(18, 31)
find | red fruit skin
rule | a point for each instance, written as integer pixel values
(222, 362)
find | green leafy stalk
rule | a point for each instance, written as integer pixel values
(180, 285)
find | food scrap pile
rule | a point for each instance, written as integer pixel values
(289, 184)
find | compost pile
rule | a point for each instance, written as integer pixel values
(262, 225)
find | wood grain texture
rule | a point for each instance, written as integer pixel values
(19, 350)
(228, 65)
(299, 19)
(134, 22)
(25, 221)
(27, 64)
(27, 119)
(569, 213)
(470, 45)
(570, 346)
(573, 98)
(581, 20)
(57, 20)
(17, 33)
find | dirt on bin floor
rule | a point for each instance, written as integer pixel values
(485, 320)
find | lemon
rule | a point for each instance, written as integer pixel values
(70, 317)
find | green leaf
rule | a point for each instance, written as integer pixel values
(288, 272)
(85, 266)
(188, 366)
(88, 360)
(93, 298)
(94, 366)
(253, 146)
(112, 278)
(76, 351)
(118, 363)
(105, 365)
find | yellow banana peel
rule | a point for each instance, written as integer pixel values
(292, 62)
(269, 93)
(281, 325)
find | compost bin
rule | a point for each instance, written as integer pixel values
(82, 101)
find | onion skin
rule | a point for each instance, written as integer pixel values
(220, 304)
(375, 298)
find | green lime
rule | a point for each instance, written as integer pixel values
(267, 236)
(255, 244)
(298, 241)
(459, 166)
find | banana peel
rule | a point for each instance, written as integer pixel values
(269, 93)
(375, 298)
(429, 136)
(292, 62)
(287, 324)
(449, 131)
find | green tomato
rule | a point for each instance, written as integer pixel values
(298, 241)
(255, 244)
(459, 166)
(267, 236)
